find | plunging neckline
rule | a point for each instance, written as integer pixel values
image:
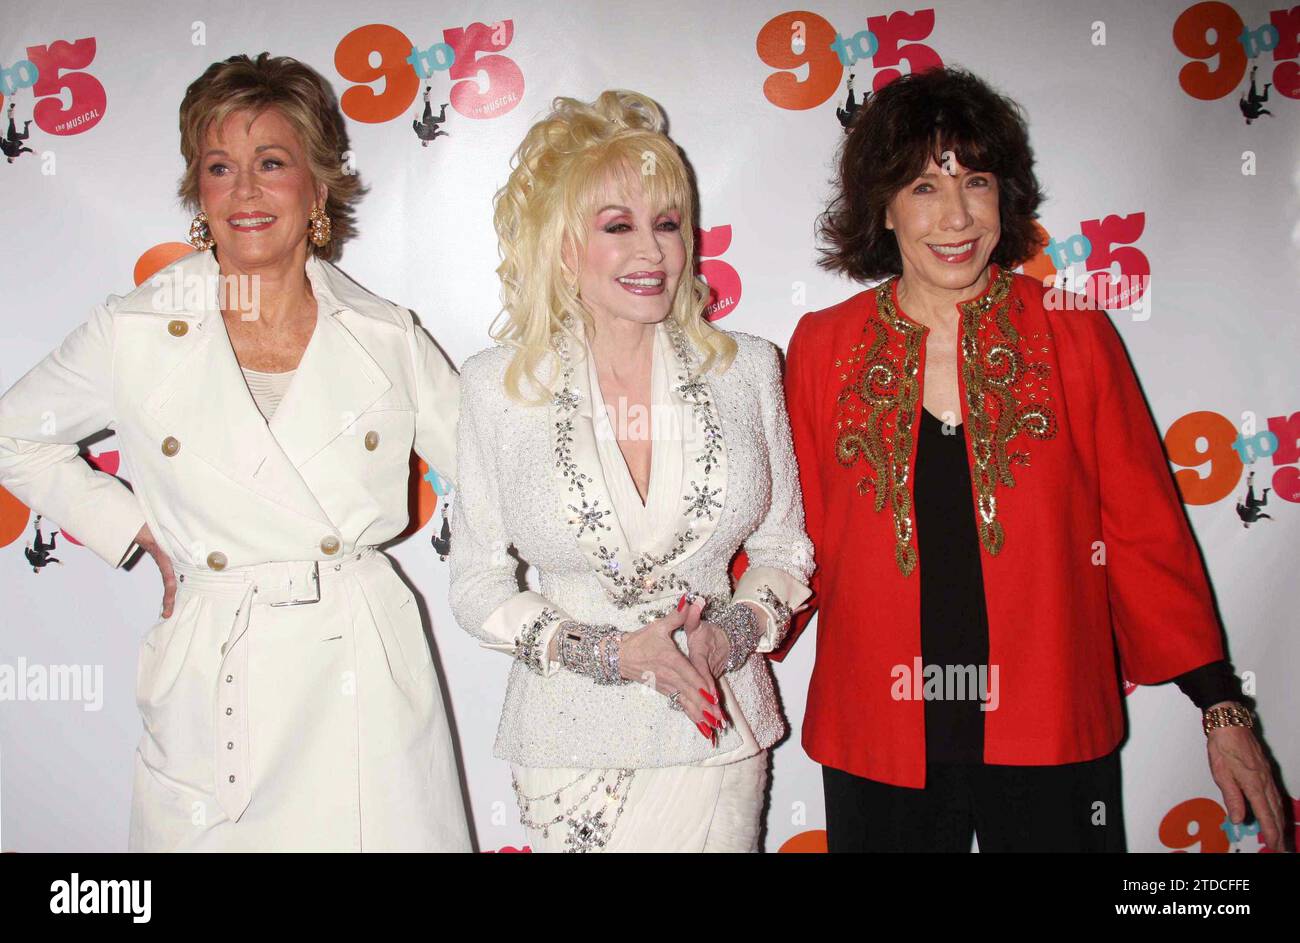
(296, 371)
(598, 402)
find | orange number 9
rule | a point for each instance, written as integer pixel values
(1191, 36)
(1176, 832)
(775, 47)
(1225, 463)
(352, 59)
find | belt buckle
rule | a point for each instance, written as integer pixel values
(315, 584)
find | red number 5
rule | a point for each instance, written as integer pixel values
(88, 97)
(505, 83)
(892, 29)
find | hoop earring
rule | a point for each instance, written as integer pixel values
(200, 235)
(320, 227)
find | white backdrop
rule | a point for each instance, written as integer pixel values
(1122, 125)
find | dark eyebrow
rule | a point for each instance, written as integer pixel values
(930, 174)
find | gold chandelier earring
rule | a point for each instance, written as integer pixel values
(319, 227)
(200, 235)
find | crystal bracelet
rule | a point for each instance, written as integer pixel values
(741, 626)
(591, 650)
(528, 647)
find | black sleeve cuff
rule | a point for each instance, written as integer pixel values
(1210, 684)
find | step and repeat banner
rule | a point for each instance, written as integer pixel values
(1168, 140)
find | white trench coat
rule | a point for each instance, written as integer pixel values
(271, 721)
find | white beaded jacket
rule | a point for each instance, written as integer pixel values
(532, 478)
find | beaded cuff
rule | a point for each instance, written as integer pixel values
(527, 647)
(591, 650)
(741, 626)
(783, 612)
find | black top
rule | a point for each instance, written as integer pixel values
(954, 620)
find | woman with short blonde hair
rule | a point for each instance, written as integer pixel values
(288, 694)
(627, 449)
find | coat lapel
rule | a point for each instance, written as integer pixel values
(704, 469)
(204, 402)
(630, 579)
(335, 382)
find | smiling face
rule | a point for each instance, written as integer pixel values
(947, 225)
(634, 259)
(257, 189)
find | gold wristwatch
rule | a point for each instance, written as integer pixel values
(1229, 715)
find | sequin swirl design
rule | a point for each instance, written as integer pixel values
(992, 371)
(888, 395)
(630, 590)
(879, 393)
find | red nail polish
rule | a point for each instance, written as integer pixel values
(704, 730)
(681, 603)
(708, 697)
(713, 720)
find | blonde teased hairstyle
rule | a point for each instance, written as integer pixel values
(306, 101)
(553, 191)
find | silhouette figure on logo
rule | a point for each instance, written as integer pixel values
(442, 543)
(1250, 511)
(12, 142)
(38, 554)
(851, 106)
(1250, 102)
(426, 128)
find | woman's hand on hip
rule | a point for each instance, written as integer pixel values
(146, 540)
(651, 656)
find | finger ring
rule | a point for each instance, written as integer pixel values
(674, 701)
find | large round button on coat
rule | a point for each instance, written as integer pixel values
(177, 328)
(216, 560)
(372, 440)
(330, 544)
(170, 446)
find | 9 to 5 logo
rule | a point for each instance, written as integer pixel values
(1227, 450)
(799, 38)
(1214, 832)
(1233, 44)
(465, 54)
(1100, 246)
(40, 72)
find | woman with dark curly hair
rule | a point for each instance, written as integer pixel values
(267, 407)
(991, 509)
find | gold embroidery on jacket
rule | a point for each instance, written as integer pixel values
(992, 371)
(883, 436)
(877, 407)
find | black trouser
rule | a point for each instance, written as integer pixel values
(1075, 807)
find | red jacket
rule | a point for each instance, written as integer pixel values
(1067, 470)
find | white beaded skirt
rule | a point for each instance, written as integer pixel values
(658, 809)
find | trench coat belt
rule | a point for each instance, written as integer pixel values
(275, 584)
